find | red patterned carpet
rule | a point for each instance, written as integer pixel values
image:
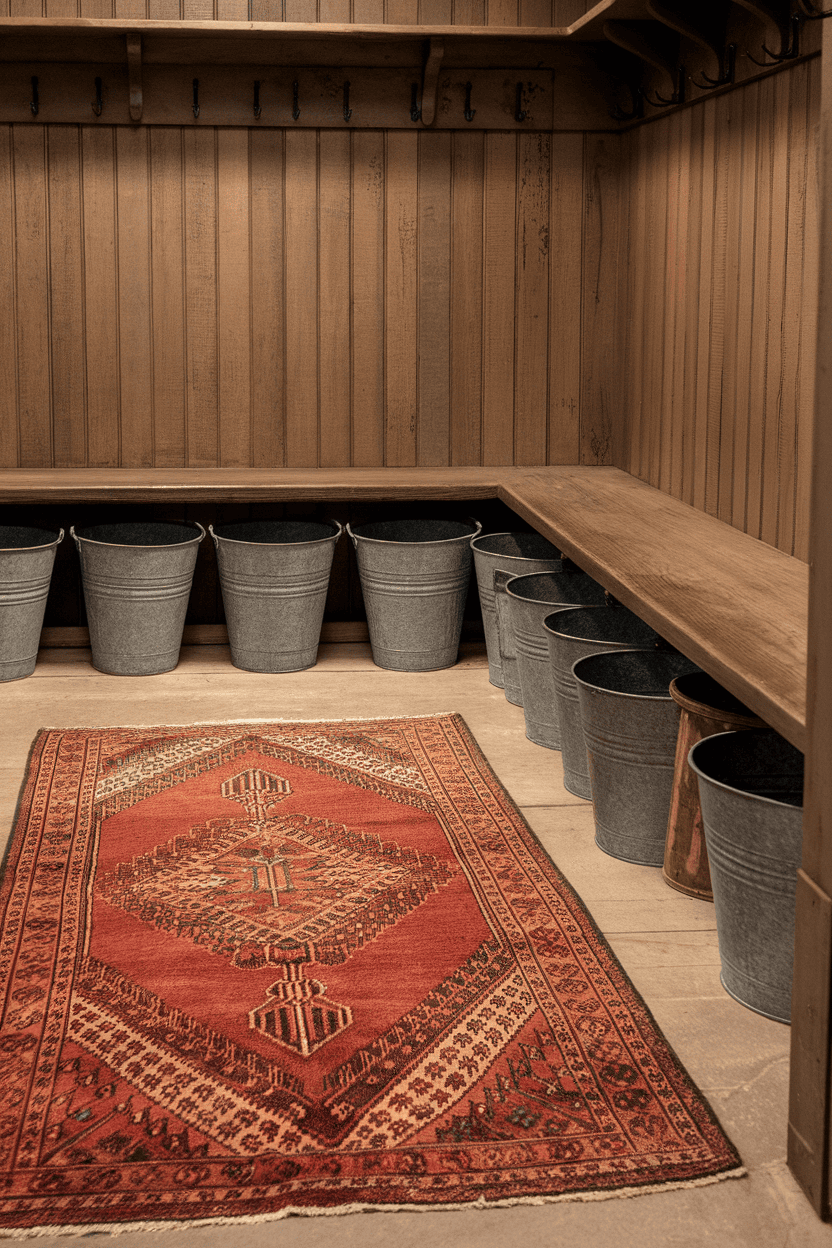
(255, 968)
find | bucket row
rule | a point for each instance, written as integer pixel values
(274, 576)
(681, 774)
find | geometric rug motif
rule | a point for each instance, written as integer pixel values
(263, 968)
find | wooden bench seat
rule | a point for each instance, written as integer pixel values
(734, 605)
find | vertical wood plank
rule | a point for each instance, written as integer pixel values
(466, 298)
(334, 11)
(101, 297)
(775, 311)
(757, 365)
(9, 434)
(32, 279)
(168, 283)
(301, 298)
(696, 221)
(400, 299)
(535, 12)
(532, 368)
(232, 10)
(659, 328)
(502, 12)
(746, 215)
(201, 295)
(808, 320)
(636, 296)
(402, 12)
(499, 298)
(334, 302)
(565, 293)
(66, 326)
(434, 301)
(268, 403)
(718, 324)
(368, 12)
(436, 12)
(678, 254)
(469, 12)
(135, 354)
(233, 299)
(267, 11)
(164, 10)
(600, 398)
(730, 122)
(197, 10)
(792, 299)
(703, 362)
(367, 260)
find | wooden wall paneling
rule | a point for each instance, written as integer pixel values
(267, 11)
(433, 393)
(502, 12)
(233, 298)
(733, 509)
(26, 8)
(238, 10)
(101, 283)
(334, 11)
(201, 295)
(692, 155)
(732, 145)
(536, 13)
(436, 12)
(703, 331)
(633, 161)
(200, 11)
(600, 391)
(662, 331)
(532, 306)
(367, 286)
(368, 12)
(166, 10)
(129, 8)
(469, 12)
(334, 300)
(792, 330)
(655, 278)
(9, 433)
(719, 326)
(759, 322)
(466, 297)
(401, 325)
(167, 216)
(499, 235)
(564, 313)
(808, 319)
(32, 268)
(135, 350)
(268, 399)
(301, 277)
(680, 260)
(775, 309)
(66, 306)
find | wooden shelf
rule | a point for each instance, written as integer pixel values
(734, 605)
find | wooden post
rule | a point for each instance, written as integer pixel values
(810, 1105)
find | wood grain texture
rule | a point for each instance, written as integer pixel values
(466, 298)
(721, 339)
(401, 313)
(9, 433)
(33, 267)
(367, 223)
(566, 199)
(433, 402)
(499, 270)
(601, 413)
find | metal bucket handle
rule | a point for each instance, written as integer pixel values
(334, 537)
(78, 540)
(470, 520)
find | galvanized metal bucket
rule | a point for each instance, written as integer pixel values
(630, 726)
(531, 599)
(505, 639)
(574, 634)
(26, 558)
(414, 578)
(706, 708)
(751, 792)
(274, 576)
(137, 579)
(516, 553)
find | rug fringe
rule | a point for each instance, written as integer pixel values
(510, 1202)
(269, 719)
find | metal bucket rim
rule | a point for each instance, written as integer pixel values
(527, 576)
(191, 524)
(696, 707)
(511, 533)
(730, 788)
(59, 537)
(591, 606)
(441, 541)
(315, 541)
(616, 693)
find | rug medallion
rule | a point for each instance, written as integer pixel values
(250, 969)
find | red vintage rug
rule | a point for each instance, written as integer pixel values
(252, 969)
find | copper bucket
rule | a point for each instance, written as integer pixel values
(706, 709)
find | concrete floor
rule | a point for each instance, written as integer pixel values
(665, 941)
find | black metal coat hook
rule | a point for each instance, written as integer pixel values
(811, 13)
(520, 113)
(678, 96)
(35, 105)
(415, 110)
(99, 102)
(347, 109)
(791, 51)
(295, 106)
(469, 112)
(637, 111)
(196, 97)
(257, 109)
(726, 72)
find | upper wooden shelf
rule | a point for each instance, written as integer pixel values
(731, 603)
(284, 43)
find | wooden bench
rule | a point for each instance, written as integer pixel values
(734, 605)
